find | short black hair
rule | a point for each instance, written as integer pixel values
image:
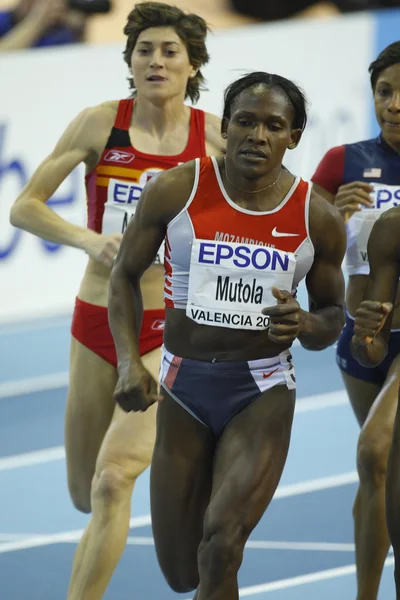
(294, 94)
(388, 57)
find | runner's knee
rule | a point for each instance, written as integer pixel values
(112, 480)
(221, 549)
(110, 484)
(372, 456)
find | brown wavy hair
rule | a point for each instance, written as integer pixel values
(191, 29)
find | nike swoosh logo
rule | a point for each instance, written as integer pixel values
(266, 375)
(276, 233)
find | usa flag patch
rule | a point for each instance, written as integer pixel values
(372, 173)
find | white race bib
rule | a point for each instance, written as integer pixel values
(360, 225)
(120, 208)
(230, 283)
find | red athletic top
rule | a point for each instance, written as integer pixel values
(330, 171)
(114, 186)
(235, 233)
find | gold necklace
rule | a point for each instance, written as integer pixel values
(248, 191)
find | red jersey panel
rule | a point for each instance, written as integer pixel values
(115, 184)
(240, 237)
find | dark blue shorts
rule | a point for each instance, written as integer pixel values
(214, 392)
(349, 365)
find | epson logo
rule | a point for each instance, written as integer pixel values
(123, 193)
(386, 195)
(243, 256)
(119, 156)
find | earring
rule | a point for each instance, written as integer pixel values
(292, 145)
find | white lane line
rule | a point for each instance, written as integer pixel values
(321, 401)
(53, 381)
(74, 536)
(41, 383)
(140, 541)
(268, 545)
(36, 541)
(28, 459)
(303, 579)
(282, 584)
(285, 491)
(12, 537)
(301, 546)
(315, 485)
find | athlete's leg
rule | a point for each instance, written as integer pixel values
(180, 487)
(393, 485)
(248, 465)
(246, 468)
(125, 453)
(89, 411)
(374, 408)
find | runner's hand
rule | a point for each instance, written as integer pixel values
(285, 318)
(136, 390)
(370, 318)
(103, 248)
(351, 196)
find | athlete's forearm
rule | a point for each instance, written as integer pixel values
(369, 355)
(37, 218)
(22, 35)
(321, 328)
(125, 311)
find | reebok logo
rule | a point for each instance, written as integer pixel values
(158, 325)
(119, 156)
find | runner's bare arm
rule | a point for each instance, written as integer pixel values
(324, 193)
(215, 144)
(375, 314)
(325, 282)
(162, 198)
(77, 144)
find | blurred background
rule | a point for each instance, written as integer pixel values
(54, 62)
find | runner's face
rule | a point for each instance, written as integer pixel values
(160, 64)
(260, 130)
(387, 105)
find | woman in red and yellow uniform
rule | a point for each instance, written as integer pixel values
(123, 144)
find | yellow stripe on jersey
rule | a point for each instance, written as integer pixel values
(119, 172)
(102, 181)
